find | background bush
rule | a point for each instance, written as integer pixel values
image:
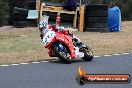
(7, 6)
(4, 12)
(125, 6)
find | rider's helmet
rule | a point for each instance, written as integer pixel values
(42, 25)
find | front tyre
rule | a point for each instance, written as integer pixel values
(88, 54)
(63, 56)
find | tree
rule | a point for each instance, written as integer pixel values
(7, 6)
(126, 8)
(4, 12)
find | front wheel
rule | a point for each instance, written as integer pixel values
(63, 56)
(88, 54)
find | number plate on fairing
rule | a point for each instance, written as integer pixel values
(48, 37)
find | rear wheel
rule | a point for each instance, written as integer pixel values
(88, 54)
(19, 24)
(63, 56)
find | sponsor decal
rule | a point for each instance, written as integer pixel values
(83, 78)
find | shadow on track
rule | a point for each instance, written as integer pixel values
(57, 61)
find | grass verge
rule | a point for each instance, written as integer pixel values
(24, 45)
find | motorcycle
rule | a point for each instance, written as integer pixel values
(65, 47)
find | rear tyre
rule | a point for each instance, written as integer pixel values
(62, 56)
(88, 54)
(21, 11)
(19, 24)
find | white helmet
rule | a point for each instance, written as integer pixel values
(42, 24)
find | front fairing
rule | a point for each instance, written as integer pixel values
(48, 37)
(67, 40)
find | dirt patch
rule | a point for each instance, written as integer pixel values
(24, 45)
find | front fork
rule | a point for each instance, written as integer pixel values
(78, 54)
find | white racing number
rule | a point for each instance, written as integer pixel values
(48, 37)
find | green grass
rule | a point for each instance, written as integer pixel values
(21, 45)
(16, 43)
(24, 44)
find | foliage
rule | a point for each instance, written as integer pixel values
(7, 6)
(4, 12)
(125, 6)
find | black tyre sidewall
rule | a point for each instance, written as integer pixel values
(86, 56)
(61, 57)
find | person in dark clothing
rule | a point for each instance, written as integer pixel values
(70, 5)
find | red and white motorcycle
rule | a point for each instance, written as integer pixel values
(65, 47)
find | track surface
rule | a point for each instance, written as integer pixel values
(57, 75)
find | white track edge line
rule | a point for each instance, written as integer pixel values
(55, 60)
(15, 64)
(24, 63)
(117, 54)
(44, 61)
(97, 56)
(5, 65)
(36, 62)
(125, 53)
(107, 55)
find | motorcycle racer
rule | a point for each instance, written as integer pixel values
(62, 43)
(44, 27)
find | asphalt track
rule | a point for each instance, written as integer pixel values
(57, 75)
